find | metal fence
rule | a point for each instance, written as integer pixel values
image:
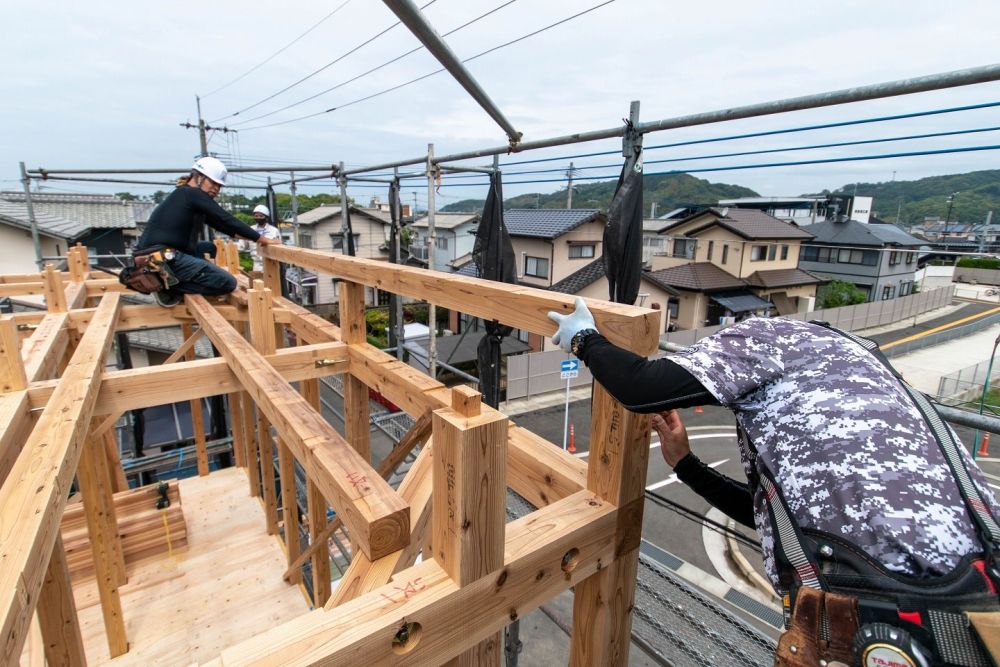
(942, 336)
(966, 383)
(538, 373)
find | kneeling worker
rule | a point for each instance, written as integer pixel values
(171, 237)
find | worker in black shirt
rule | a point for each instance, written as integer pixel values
(174, 228)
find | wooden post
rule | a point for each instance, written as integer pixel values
(197, 414)
(57, 614)
(357, 421)
(236, 428)
(233, 258)
(250, 435)
(12, 375)
(272, 275)
(78, 263)
(89, 479)
(118, 479)
(221, 258)
(55, 296)
(602, 603)
(108, 512)
(470, 499)
(262, 336)
(316, 508)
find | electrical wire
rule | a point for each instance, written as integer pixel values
(698, 517)
(373, 69)
(324, 67)
(430, 74)
(278, 52)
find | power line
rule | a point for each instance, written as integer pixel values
(324, 67)
(278, 52)
(373, 69)
(430, 74)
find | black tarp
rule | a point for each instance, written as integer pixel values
(623, 233)
(493, 254)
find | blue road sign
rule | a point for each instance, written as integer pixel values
(570, 365)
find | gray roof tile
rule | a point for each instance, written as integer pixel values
(548, 223)
(91, 211)
(748, 223)
(852, 232)
(16, 215)
(782, 278)
(581, 278)
(697, 276)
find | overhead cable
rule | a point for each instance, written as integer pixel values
(373, 69)
(324, 67)
(278, 52)
(430, 74)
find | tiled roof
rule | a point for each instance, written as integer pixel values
(91, 211)
(697, 276)
(168, 340)
(325, 211)
(548, 223)
(16, 215)
(748, 223)
(782, 278)
(447, 220)
(141, 211)
(852, 232)
(577, 280)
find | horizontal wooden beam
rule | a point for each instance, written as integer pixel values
(22, 289)
(44, 349)
(630, 327)
(545, 553)
(374, 513)
(15, 424)
(158, 385)
(34, 495)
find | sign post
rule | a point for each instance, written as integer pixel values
(568, 369)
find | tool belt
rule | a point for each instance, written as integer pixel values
(149, 271)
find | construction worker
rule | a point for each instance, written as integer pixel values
(262, 225)
(171, 236)
(877, 527)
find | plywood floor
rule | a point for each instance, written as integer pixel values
(225, 586)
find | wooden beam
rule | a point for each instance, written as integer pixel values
(33, 287)
(96, 503)
(235, 403)
(57, 614)
(373, 512)
(197, 414)
(316, 509)
(357, 420)
(118, 480)
(186, 349)
(12, 375)
(33, 497)
(264, 340)
(545, 553)
(55, 297)
(15, 425)
(45, 348)
(602, 604)
(527, 308)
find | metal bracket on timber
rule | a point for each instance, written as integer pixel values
(375, 515)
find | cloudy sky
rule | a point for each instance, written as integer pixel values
(106, 84)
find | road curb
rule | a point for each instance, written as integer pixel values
(747, 570)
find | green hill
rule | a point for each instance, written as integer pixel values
(978, 193)
(669, 191)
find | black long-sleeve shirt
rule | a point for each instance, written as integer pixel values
(177, 221)
(642, 385)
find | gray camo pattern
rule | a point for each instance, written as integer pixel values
(844, 442)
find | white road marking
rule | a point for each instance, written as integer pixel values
(993, 486)
(656, 441)
(993, 477)
(673, 478)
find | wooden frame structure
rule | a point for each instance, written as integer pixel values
(478, 572)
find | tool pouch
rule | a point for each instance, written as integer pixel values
(801, 644)
(986, 626)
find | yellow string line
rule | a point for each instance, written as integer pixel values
(170, 548)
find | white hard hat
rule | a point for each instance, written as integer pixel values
(260, 208)
(212, 168)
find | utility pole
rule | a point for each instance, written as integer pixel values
(947, 219)
(31, 217)
(432, 245)
(203, 129)
(569, 188)
(345, 213)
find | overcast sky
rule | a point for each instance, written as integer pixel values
(105, 84)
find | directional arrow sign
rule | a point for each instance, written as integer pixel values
(569, 365)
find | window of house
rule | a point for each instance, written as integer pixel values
(673, 307)
(725, 253)
(888, 292)
(784, 252)
(910, 257)
(442, 242)
(305, 240)
(684, 248)
(905, 287)
(711, 247)
(758, 253)
(772, 252)
(894, 258)
(337, 241)
(537, 267)
(581, 251)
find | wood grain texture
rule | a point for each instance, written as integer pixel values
(57, 615)
(55, 296)
(197, 414)
(12, 375)
(44, 349)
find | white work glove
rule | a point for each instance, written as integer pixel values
(570, 325)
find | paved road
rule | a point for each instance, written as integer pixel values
(967, 310)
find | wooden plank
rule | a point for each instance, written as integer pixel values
(33, 287)
(186, 349)
(55, 297)
(102, 286)
(12, 375)
(33, 497)
(526, 308)
(545, 553)
(158, 385)
(373, 512)
(540, 471)
(364, 575)
(602, 604)
(43, 351)
(57, 614)
(95, 504)
(197, 414)
(15, 425)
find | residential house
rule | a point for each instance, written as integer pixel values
(455, 235)
(103, 223)
(322, 229)
(880, 259)
(731, 263)
(807, 210)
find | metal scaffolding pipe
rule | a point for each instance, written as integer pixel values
(921, 84)
(410, 15)
(42, 173)
(32, 221)
(471, 170)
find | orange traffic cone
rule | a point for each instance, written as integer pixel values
(984, 446)
(572, 448)
(698, 409)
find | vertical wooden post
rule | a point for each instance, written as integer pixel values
(77, 263)
(236, 428)
(262, 335)
(55, 295)
(89, 480)
(57, 614)
(316, 507)
(12, 375)
(197, 414)
(616, 472)
(221, 259)
(118, 480)
(250, 436)
(233, 258)
(272, 275)
(470, 499)
(108, 512)
(357, 421)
